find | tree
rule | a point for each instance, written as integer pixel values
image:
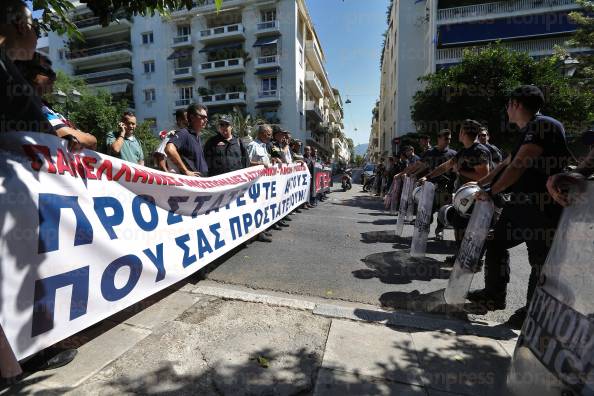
(56, 13)
(359, 160)
(584, 37)
(477, 88)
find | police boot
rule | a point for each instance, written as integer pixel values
(487, 300)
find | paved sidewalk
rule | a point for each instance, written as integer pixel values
(214, 339)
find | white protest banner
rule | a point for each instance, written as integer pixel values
(85, 235)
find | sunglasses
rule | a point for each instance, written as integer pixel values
(46, 71)
(202, 116)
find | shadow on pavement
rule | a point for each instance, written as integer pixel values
(399, 268)
(363, 202)
(391, 221)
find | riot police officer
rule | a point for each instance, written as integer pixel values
(531, 215)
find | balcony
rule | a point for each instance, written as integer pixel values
(314, 56)
(110, 53)
(182, 103)
(221, 67)
(501, 9)
(334, 116)
(268, 27)
(229, 98)
(312, 80)
(313, 109)
(108, 77)
(182, 72)
(533, 48)
(92, 25)
(264, 62)
(221, 33)
(268, 96)
(182, 41)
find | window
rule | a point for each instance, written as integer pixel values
(147, 38)
(268, 50)
(150, 95)
(186, 93)
(269, 84)
(184, 30)
(149, 67)
(269, 15)
(301, 56)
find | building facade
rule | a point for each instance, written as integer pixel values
(424, 36)
(259, 56)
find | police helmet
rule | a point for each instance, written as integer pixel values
(416, 195)
(464, 200)
(446, 214)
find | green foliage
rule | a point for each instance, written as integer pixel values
(148, 140)
(359, 160)
(477, 88)
(584, 37)
(56, 13)
(96, 113)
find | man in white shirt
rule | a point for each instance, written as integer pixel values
(258, 149)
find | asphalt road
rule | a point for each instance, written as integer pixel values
(346, 249)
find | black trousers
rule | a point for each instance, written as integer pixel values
(519, 224)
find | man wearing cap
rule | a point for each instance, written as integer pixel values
(225, 152)
(280, 146)
(530, 216)
(296, 150)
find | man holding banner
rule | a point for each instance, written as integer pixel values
(185, 147)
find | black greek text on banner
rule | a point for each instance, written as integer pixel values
(85, 235)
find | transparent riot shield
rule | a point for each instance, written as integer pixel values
(469, 254)
(410, 210)
(423, 222)
(408, 186)
(555, 352)
(396, 190)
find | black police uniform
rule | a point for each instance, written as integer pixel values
(496, 155)
(531, 216)
(224, 156)
(443, 183)
(189, 147)
(467, 159)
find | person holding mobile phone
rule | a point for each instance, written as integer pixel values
(123, 143)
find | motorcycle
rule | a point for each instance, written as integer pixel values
(347, 180)
(369, 183)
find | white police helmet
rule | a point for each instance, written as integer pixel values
(464, 200)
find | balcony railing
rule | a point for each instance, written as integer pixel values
(270, 94)
(269, 25)
(501, 7)
(182, 103)
(314, 107)
(106, 73)
(182, 72)
(104, 49)
(224, 98)
(312, 76)
(219, 31)
(267, 60)
(221, 64)
(182, 40)
(93, 21)
(531, 47)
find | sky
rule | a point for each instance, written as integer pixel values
(350, 32)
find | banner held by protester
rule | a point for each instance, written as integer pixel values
(86, 235)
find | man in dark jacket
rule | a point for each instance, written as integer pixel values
(225, 152)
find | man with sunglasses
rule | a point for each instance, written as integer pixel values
(39, 73)
(20, 107)
(185, 147)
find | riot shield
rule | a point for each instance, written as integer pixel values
(555, 352)
(423, 222)
(396, 190)
(408, 186)
(410, 210)
(469, 253)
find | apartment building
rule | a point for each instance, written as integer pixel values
(261, 56)
(373, 149)
(426, 35)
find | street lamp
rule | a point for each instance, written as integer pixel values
(569, 66)
(60, 97)
(65, 99)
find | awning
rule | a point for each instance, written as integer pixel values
(269, 71)
(266, 41)
(216, 47)
(268, 104)
(180, 53)
(224, 76)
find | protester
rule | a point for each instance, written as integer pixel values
(472, 163)
(125, 145)
(530, 216)
(38, 72)
(310, 162)
(424, 144)
(20, 106)
(280, 146)
(160, 156)
(483, 138)
(380, 169)
(225, 152)
(185, 147)
(296, 150)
